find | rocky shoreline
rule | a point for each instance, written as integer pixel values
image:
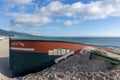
(109, 75)
(75, 69)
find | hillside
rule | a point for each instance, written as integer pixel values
(12, 33)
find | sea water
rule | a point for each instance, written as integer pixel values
(99, 41)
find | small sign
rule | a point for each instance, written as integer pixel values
(59, 51)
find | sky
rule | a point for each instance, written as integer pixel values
(61, 17)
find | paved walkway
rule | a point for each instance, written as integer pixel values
(4, 60)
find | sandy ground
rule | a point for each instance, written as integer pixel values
(4, 60)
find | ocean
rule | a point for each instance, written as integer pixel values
(99, 41)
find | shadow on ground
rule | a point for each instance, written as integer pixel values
(4, 66)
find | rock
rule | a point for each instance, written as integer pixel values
(51, 77)
(67, 72)
(60, 75)
(98, 78)
(35, 78)
(102, 74)
(40, 78)
(111, 79)
(73, 78)
(83, 77)
(26, 77)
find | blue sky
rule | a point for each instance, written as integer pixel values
(61, 17)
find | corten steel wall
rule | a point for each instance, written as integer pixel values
(23, 60)
(44, 46)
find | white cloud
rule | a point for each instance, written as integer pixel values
(29, 19)
(94, 10)
(77, 11)
(13, 3)
(68, 23)
(71, 22)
